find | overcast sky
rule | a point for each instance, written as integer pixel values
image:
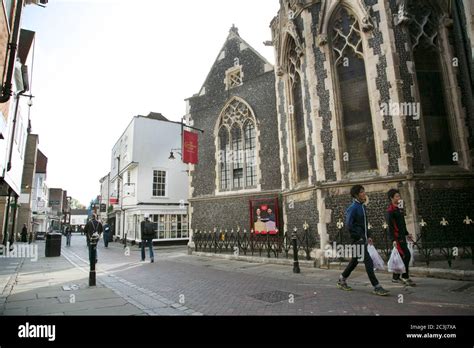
(98, 63)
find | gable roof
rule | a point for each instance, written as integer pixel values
(233, 34)
(156, 116)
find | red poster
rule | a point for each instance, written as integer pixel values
(190, 147)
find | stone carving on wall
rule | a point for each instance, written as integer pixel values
(407, 10)
(402, 16)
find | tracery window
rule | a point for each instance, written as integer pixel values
(296, 112)
(431, 85)
(352, 92)
(237, 147)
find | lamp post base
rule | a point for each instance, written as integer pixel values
(92, 278)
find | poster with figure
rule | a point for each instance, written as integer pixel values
(264, 215)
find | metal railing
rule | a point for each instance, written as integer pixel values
(272, 244)
(437, 238)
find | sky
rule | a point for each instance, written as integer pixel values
(98, 63)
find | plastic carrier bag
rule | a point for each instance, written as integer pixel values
(395, 263)
(377, 260)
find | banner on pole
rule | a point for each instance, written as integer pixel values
(190, 147)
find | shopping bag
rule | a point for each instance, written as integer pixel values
(412, 253)
(377, 260)
(395, 263)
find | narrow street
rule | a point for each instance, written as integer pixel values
(181, 284)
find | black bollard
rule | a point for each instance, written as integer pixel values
(92, 260)
(296, 264)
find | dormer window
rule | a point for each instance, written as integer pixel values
(234, 77)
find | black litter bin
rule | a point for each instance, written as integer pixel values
(53, 244)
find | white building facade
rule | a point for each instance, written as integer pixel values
(78, 218)
(40, 207)
(105, 189)
(145, 182)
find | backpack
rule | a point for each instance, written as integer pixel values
(149, 232)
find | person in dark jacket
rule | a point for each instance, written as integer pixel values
(92, 227)
(356, 224)
(68, 235)
(106, 234)
(398, 234)
(148, 233)
(24, 234)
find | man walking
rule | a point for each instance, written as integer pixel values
(24, 234)
(93, 228)
(68, 235)
(148, 234)
(356, 224)
(398, 234)
(106, 234)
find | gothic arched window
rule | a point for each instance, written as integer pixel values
(352, 92)
(429, 74)
(237, 147)
(296, 112)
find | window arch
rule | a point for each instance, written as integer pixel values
(427, 57)
(296, 112)
(358, 145)
(237, 147)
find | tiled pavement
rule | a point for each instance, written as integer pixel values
(180, 284)
(56, 286)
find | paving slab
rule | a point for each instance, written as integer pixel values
(126, 309)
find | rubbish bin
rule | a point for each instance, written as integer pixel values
(53, 244)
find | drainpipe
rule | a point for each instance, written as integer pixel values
(15, 202)
(12, 47)
(5, 227)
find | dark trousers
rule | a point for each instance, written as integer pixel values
(406, 261)
(106, 239)
(369, 265)
(148, 242)
(68, 239)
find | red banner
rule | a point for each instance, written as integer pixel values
(190, 147)
(113, 201)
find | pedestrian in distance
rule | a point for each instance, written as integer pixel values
(357, 226)
(24, 234)
(148, 233)
(93, 229)
(398, 234)
(106, 234)
(68, 235)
